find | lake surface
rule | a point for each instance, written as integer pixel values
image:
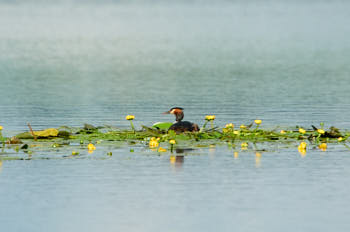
(72, 63)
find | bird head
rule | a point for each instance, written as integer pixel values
(177, 111)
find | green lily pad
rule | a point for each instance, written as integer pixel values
(162, 125)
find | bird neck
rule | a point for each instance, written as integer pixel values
(179, 116)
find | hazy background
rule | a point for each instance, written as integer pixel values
(71, 62)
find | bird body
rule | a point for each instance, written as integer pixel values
(181, 126)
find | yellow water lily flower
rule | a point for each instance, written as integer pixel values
(303, 145)
(230, 125)
(340, 139)
(91, 147)
(1, 127)
(244, 144)
(320, 131)
(130, 117)
(242, 126)
(257, 121)
(153, 143)
(302, 131)
(282, 132)
(210, 117)
(323, 146)
(302, 148)
(236, 132)
(75, 153)
(302, 151)
(172, 141)
(160, 149)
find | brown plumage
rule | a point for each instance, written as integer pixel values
(181, 126)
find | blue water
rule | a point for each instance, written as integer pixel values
(72, 63)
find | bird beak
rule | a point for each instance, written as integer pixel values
(168, 112)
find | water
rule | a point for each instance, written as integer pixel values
(72, 63)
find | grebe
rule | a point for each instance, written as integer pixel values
(181, 126)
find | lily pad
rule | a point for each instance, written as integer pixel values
(162, 125)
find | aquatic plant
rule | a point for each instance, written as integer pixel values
(130, 118)
(91, 147)
(302, 131)
(159, 140)
(323, 146)
(209, 118)
(172, 142)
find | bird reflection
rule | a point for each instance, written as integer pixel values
(177, 160)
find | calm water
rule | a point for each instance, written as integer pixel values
(73, 63)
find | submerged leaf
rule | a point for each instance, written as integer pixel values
(51, 132)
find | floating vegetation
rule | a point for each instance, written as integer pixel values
(74, 141)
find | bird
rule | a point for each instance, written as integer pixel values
(181, 126)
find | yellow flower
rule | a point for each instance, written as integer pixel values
(225, 130)
(258, 121)
(91, 147)
(301, 130)
(210, 117)
(153, 143)
(302, 151)
(323, 146)
(302, 148)
(320, 131)
(282, 132)
(160, 149)
(340, 139)
(1, 127)
(244, 145)
(172, 141)
(236, 132)
(230, 125)
(242, 126)
(75, 153)
(303, 145)
(130, 117)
